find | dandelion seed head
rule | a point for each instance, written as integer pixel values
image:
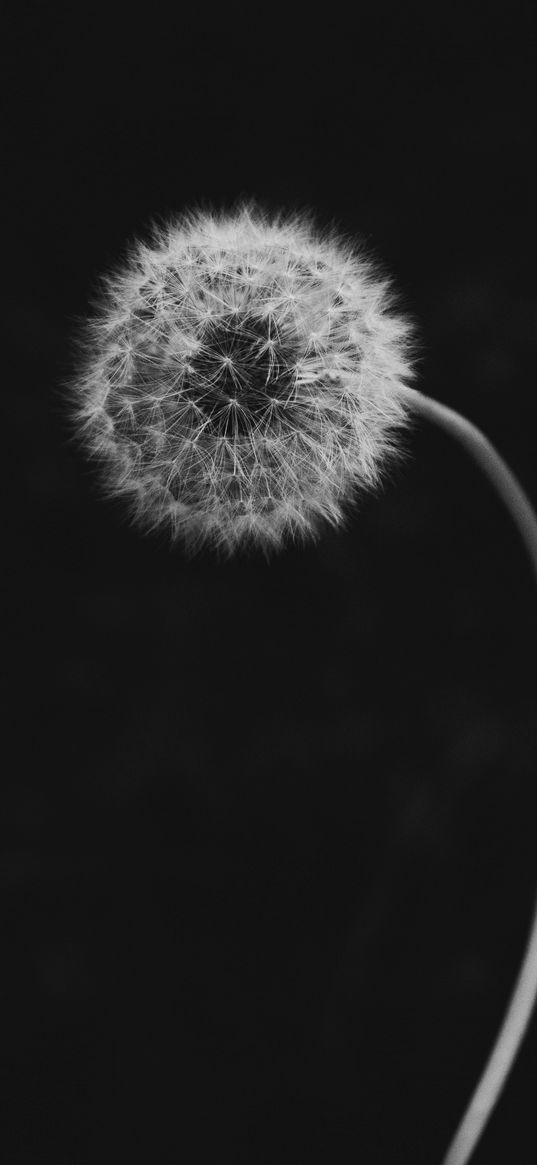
(238, 382)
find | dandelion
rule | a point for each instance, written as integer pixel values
(238, 383)
(243, 378)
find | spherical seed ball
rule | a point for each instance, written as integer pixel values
(239, 379)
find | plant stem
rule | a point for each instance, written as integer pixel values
(524, 994)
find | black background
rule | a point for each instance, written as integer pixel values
(268, 855)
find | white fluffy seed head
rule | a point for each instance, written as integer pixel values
(239, 380)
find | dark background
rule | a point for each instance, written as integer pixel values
(268, 856)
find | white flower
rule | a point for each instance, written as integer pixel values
(239, 380)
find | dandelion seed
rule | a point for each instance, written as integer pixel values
(228, 332)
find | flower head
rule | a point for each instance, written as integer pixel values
(239, 380)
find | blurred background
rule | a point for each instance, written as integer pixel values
(268, 830)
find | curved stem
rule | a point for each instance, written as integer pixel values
(524, 993)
